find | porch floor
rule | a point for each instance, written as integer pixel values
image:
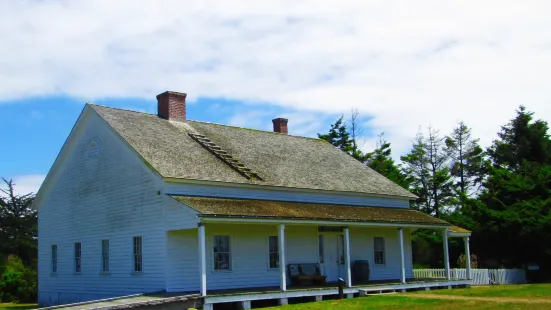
(330, 285)
(248, 295)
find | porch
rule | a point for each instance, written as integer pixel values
(239, 245)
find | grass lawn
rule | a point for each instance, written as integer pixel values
(392, 302)
(527, 296)
(18, 306)
(540, 291)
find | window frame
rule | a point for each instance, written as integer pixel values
(77, 257)
(137, 254)
(214, 254)
(54, 258)
(382, 251)
(340, 250)
(271, 252)
(105, 260)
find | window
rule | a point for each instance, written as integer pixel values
(137, 254)
(78, 257)
(222, 253)
(54, 258)
(104, 255)
(274, 252)
(379, 250)
(340, 247)
(320, 248)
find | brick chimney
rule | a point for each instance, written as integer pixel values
(280, 125)
(172, 106)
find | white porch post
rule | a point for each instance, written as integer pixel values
(467, 257)
(446, 255)
(202, 259)
(348, 279)
(283, 275)
(402, 255)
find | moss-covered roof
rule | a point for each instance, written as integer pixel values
(245, 208)
(457, 229)
(282, 160)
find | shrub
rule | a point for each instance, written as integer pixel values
(17, 282)
(462, 261)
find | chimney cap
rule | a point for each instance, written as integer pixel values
(169, 92)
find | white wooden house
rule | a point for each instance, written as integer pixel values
(139, 203)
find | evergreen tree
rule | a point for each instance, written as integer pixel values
(427, 166)
(340, 137)
(18, 224)
(467, 161)
(381, 161)
(513, 214)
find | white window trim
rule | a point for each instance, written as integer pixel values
(270, 252)
(230, 241)
(75, 257)
(134, 271)
(102, 271)
(384, 252)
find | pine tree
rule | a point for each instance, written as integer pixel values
(513, 211)
(467, 161)
(18, 224)
(427, 166)
(339, 136)
(381, 161)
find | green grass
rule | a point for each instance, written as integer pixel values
(540, 291)
(409, 303)
(18, 306)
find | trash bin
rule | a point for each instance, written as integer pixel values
(360, 271)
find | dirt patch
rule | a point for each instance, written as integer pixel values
(494, 299)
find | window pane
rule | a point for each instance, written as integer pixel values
(54, 258)
(105, 255)
(77, 256)
(222, 252)
(138, 264)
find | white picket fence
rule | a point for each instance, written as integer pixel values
(479, 276)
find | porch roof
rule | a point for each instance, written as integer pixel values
(267, 209)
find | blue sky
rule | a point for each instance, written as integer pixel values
(36, 128)
(404, 65)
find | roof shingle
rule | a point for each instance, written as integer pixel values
(246, 208)
(282, 160)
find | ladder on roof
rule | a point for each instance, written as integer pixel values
(226, 157)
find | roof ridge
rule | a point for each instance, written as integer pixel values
(260, 130)
(210, 123)
(119, 109)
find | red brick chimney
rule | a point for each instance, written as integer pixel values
(171, 105)
(280, 125)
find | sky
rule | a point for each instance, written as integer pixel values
(404, 65)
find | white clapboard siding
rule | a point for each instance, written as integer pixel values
(479, 276)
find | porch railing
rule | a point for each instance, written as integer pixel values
(479, 276)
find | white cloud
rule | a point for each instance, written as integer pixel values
(406, 63)
(26, 184)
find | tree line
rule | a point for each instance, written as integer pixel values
(501, 193)
(18, 245)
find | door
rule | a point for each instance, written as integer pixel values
(330, 256)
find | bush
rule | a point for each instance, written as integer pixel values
(462, 261)
(17, 282)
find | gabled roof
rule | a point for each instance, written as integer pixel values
(266, 209)
(281, 160)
